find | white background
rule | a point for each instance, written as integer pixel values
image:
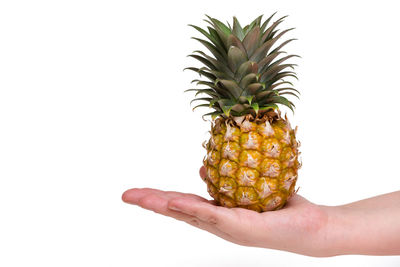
(92, 103)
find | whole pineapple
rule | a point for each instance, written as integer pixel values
(252, 155)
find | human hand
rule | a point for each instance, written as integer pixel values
(299, 227)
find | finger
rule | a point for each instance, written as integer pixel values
(212, 229)
(133, 195)
(237, 223)
(206, 212)
(159, 204)
(208, 226)
(173, 194)
(157, 201)
(203, 172)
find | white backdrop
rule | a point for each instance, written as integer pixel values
(92, 103)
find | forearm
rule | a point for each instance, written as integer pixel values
(370, 227)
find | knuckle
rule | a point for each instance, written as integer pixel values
(194, 212)
(212, 220)
(194, 222)
(145, 201)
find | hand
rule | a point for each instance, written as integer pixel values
(299, 227)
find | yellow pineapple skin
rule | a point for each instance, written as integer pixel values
(252, 164)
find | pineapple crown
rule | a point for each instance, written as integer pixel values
(244, 75)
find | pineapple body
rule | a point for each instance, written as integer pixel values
(252, 164)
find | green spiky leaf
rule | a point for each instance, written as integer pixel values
(255, 107)
(251, 41)
(243, 68)
(235, 58)
(237, 29)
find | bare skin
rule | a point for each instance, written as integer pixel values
(369, 227)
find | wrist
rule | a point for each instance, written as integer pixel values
(330, 234)
(338, 233)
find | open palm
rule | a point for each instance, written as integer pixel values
(298, 227)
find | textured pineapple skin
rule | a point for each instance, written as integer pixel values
(252, 164)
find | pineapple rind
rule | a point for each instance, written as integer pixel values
(253, 164)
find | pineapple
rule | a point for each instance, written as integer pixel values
(252, 155)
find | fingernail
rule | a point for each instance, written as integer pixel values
(125, 197)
